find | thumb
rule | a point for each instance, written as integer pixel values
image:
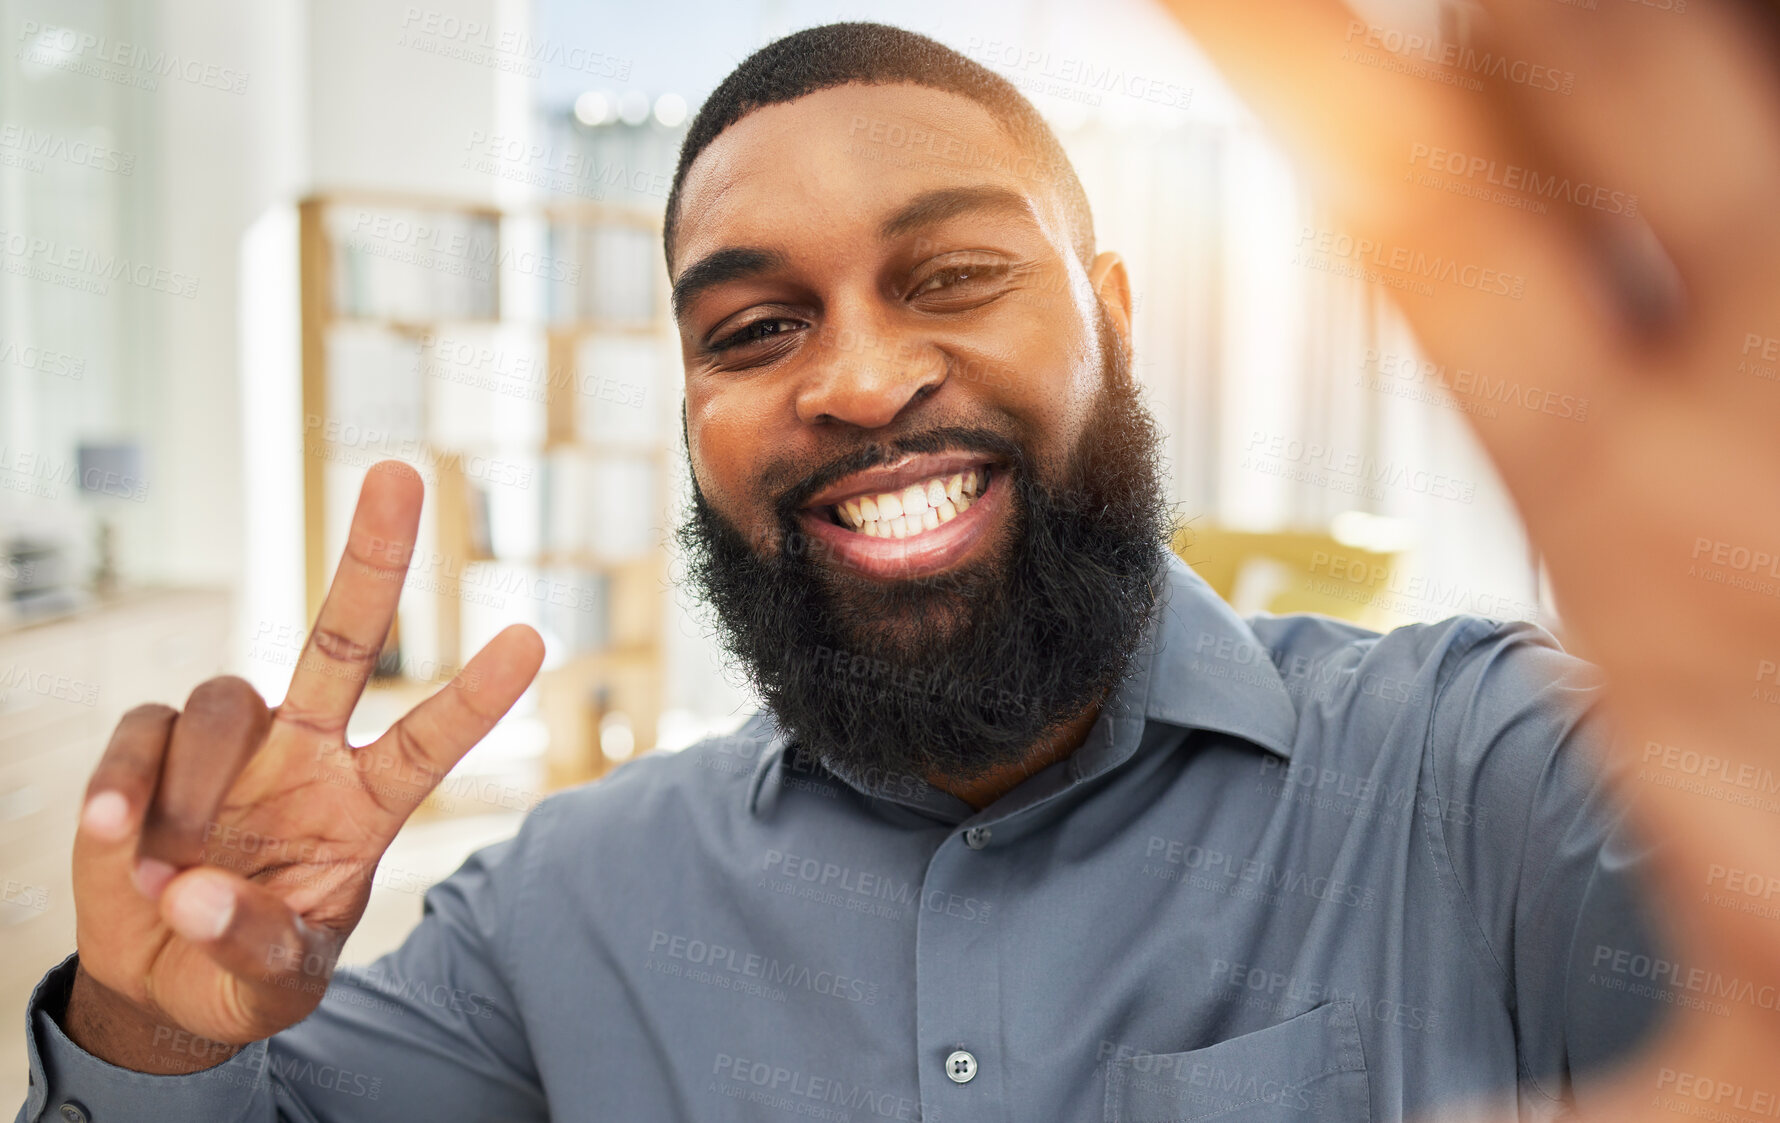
(278, 963)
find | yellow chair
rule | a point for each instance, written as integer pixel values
(1293, 571)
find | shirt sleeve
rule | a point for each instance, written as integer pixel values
(1541, 855)
(429, 1031)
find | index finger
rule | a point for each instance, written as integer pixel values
(355, 617)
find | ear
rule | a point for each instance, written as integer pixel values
(1113, 286)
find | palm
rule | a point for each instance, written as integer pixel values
(1668, 323)
(298, 816)
(304, 822)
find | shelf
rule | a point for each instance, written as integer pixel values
(529, 407)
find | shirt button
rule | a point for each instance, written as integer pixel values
(976, 837)
(72, 1112)
(961, 1067)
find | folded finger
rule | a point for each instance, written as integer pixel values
(222, 724)
(118, 795)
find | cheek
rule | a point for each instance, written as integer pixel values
(1049, 385)
(730, 437)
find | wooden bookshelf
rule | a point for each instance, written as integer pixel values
(525, 363)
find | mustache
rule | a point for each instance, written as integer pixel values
(990, 444)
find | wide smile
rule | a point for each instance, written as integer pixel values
(919, 517)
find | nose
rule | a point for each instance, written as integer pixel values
(866, 377)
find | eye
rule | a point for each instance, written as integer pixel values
(755, 332)
(967, 277)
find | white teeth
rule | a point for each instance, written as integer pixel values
(914, 510)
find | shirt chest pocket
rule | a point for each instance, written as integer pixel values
(1309, 1069)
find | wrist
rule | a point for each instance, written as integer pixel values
(118, 1031)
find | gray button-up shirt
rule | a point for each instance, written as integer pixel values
(1298, 871)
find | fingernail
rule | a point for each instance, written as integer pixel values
(106, 816)
(151, 876)
(201, 909)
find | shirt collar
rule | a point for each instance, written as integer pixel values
(1200, 667)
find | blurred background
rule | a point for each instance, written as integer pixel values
(246, 250)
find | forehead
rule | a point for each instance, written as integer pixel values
(824, 168)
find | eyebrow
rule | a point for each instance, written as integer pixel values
(933, 207)
(735, 263)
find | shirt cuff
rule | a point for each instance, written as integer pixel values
(70, 1085)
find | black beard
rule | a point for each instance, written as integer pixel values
(962, 673)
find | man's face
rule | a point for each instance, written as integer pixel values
(878, 286)
(926, 504)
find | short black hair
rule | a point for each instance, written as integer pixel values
(875, 54)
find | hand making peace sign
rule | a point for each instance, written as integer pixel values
(226, 851)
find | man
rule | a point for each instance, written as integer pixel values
(1034, 827)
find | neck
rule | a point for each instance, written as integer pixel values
(1048, 750)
